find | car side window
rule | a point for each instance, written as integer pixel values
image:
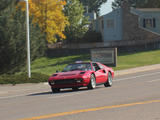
(95, 67)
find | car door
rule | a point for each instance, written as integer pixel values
(99, 73)
(104, 73)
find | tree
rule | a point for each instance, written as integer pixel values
(137, 3)
(78, 22)
(13, 40)
(93, 5)
(5, 3)
(49, 16)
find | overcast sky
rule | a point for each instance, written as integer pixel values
(106, 8)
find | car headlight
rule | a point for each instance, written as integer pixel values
(52, 82)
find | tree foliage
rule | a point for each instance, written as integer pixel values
(137, 3)
(13, 40)
(5, 3)
(49, 16)
(78, 22)
(93, 5)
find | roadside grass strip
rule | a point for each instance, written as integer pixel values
(90, 110)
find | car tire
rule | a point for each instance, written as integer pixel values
(75, 88)
(109, 80)
(92, 83)
(55, 90)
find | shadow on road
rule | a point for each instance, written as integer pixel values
(63, 91)
(41, 93)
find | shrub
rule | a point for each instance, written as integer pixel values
(23, 78)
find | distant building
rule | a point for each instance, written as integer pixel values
(125, 27)
(129, 26)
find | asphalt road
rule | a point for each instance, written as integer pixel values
(132, 97)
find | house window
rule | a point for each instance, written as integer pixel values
(149, 22)
(110, 23)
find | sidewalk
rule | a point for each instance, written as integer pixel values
(136, 70)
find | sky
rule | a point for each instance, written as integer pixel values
(106, 7)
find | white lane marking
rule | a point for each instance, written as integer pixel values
(21, 90)
(149, 74)
(3, 92)
(57, 96)
(154, 81)
(14, 96)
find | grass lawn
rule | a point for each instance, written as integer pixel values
(131, 60)
(124, 61)
(48, 66)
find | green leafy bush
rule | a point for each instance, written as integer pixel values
(23, 78)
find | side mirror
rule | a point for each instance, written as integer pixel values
(103, 71)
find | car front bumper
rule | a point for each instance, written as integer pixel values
(69, 83)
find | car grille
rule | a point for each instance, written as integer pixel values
(65, 81)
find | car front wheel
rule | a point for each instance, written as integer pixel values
(92, 83)
(109, 81)
(55, 90)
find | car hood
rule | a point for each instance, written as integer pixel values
(66, 75)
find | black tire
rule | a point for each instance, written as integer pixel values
(92, 83)
(55, 90)
(75, 88)
(109, 80)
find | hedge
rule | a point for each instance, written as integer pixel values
(23, 78)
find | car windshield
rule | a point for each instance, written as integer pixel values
(78, 66)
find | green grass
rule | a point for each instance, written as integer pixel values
(131, 60)
(50, 65)
(124, 61)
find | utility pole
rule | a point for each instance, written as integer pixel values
(28, 40)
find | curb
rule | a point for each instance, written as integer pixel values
(137, 69)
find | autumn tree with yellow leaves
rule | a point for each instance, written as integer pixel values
(48, 14)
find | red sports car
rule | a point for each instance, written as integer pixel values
(82, 74)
